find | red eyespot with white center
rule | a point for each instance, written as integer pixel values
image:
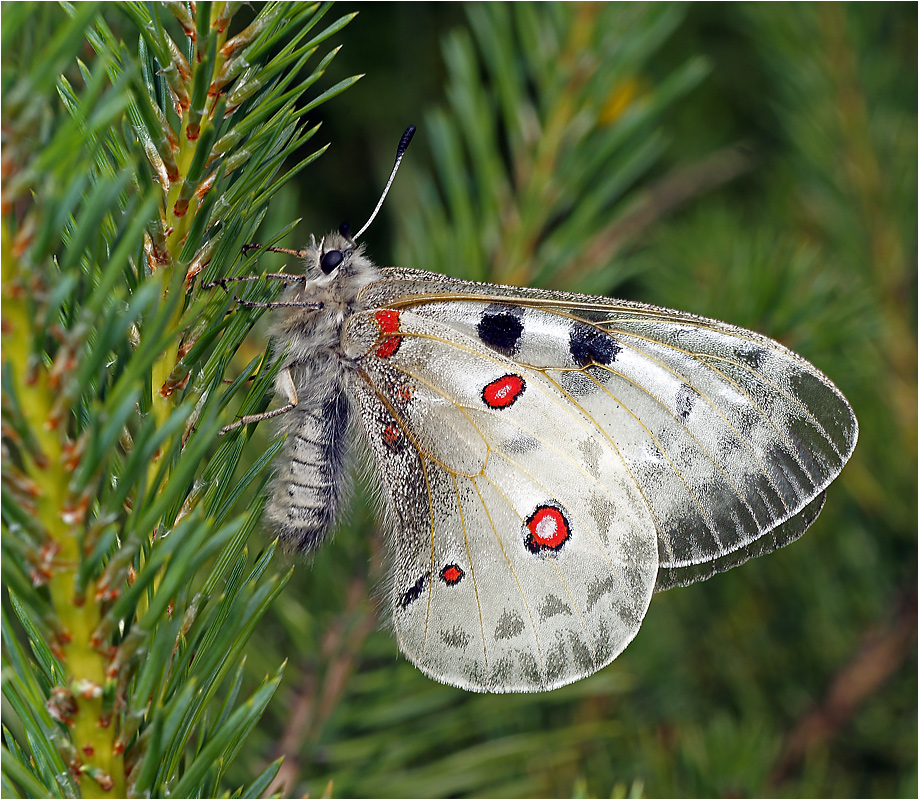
(388, 323)
(547, 529)
(504, 391)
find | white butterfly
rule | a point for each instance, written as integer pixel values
(548, 460)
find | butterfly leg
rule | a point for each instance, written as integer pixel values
(287, 382)
(222, 282)
(271, 276)
(284, 250)
(275, 276)
(272, 305)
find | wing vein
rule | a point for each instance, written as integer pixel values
(472, 570)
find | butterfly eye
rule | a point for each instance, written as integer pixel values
(330, 260)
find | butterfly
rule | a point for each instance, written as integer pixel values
(548, 460)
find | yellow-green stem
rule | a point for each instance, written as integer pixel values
(178, 227)
(93, 737)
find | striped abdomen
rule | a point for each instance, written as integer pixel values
(306, 492)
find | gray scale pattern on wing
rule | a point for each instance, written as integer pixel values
(783, 534)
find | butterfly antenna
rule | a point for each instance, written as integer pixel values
(400, 151)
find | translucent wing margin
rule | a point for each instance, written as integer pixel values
(781, 535)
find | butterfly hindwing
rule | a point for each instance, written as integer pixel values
(524, 554)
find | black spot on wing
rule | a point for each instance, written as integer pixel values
(500, 329)
(751, 355)
(413, 593)
(590, 345)
(685, 401)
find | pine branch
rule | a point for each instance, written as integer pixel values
(125, 562)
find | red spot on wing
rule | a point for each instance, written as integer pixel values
(393, 437)
(548, 529)
(405, 392)
(388, 323)
(388, 320)
(451, 574)
(504, 391)
(389, 346)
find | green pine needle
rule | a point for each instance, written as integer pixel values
(133, 171)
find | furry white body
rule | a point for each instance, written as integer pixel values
(306, 493)
(548, 460)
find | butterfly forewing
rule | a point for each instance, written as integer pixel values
(726, 433)
(781, 535)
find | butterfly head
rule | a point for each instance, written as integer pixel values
(338, 264)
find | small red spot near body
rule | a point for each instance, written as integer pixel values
(451, 574)
(389, 347)
(405, 392)
(504, 391)
(88, 750)
(388, 323)
(391, 434)
(548, 529)
(388, 320)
